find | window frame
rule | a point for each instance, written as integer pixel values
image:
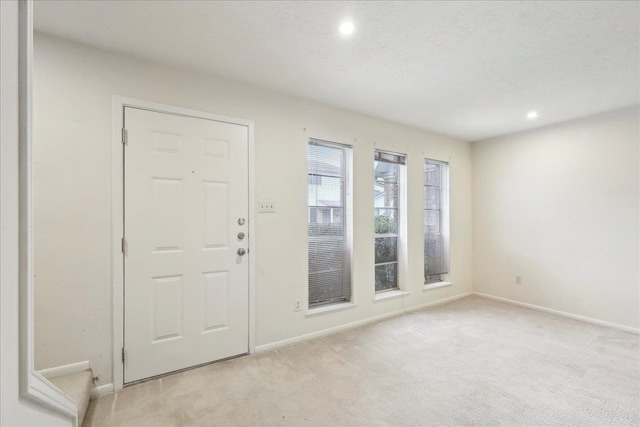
(444, 225)
(401, 214)
(347, 206)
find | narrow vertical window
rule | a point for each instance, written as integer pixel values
(388, 173)
(436, 221)
(329, 222)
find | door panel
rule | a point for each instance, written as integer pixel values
(186, 288)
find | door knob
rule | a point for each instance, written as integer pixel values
(241, 251)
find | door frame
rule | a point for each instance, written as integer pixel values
(117, 218)
(34, 389)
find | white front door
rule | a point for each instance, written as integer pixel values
(186, 201)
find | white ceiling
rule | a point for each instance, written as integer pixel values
(466, 69)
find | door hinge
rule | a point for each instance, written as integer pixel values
(122, 354)
(124, 246)
(125, 136)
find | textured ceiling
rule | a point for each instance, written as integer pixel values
(466, 69)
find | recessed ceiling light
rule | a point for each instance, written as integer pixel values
(532, 115)
(347, 28)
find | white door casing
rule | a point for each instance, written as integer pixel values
(185, 286)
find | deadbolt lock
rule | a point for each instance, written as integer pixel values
(240, 221)
(240, 235)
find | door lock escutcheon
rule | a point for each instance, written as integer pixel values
(241, 221)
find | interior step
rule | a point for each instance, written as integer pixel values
(77, 386)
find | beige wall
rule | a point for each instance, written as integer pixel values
(73, 93)
(559, 206)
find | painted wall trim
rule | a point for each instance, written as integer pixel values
(562, 313)
(101, 389)
(33, 386)
(117, 225)
(71, 368)
(438, 302)
(340, 328)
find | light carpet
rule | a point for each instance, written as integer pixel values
(470, 362)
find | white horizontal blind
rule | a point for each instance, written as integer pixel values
(436, 262)
(329, 228)
(383, 156)
(386, 211)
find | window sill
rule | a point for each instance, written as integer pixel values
(329, 308)
(383, 296)
(436, 285)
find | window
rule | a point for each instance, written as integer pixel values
(388, 173)
(436, 220)
(329, 225)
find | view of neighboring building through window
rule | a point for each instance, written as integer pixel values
(388, 168)
(329, 222)
(436, 262)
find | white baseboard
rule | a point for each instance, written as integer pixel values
(339, 328)
(562, 313)
(101, 389)
(72, 368)
(65, 369)
(438, 302)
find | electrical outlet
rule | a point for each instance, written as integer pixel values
(266, 206)
(518, 280)
(296, 305)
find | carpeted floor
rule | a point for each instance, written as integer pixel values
(470, 362)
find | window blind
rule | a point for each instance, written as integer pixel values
(329, 227)
(386, 211)
(436, 262)
(383, 156)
